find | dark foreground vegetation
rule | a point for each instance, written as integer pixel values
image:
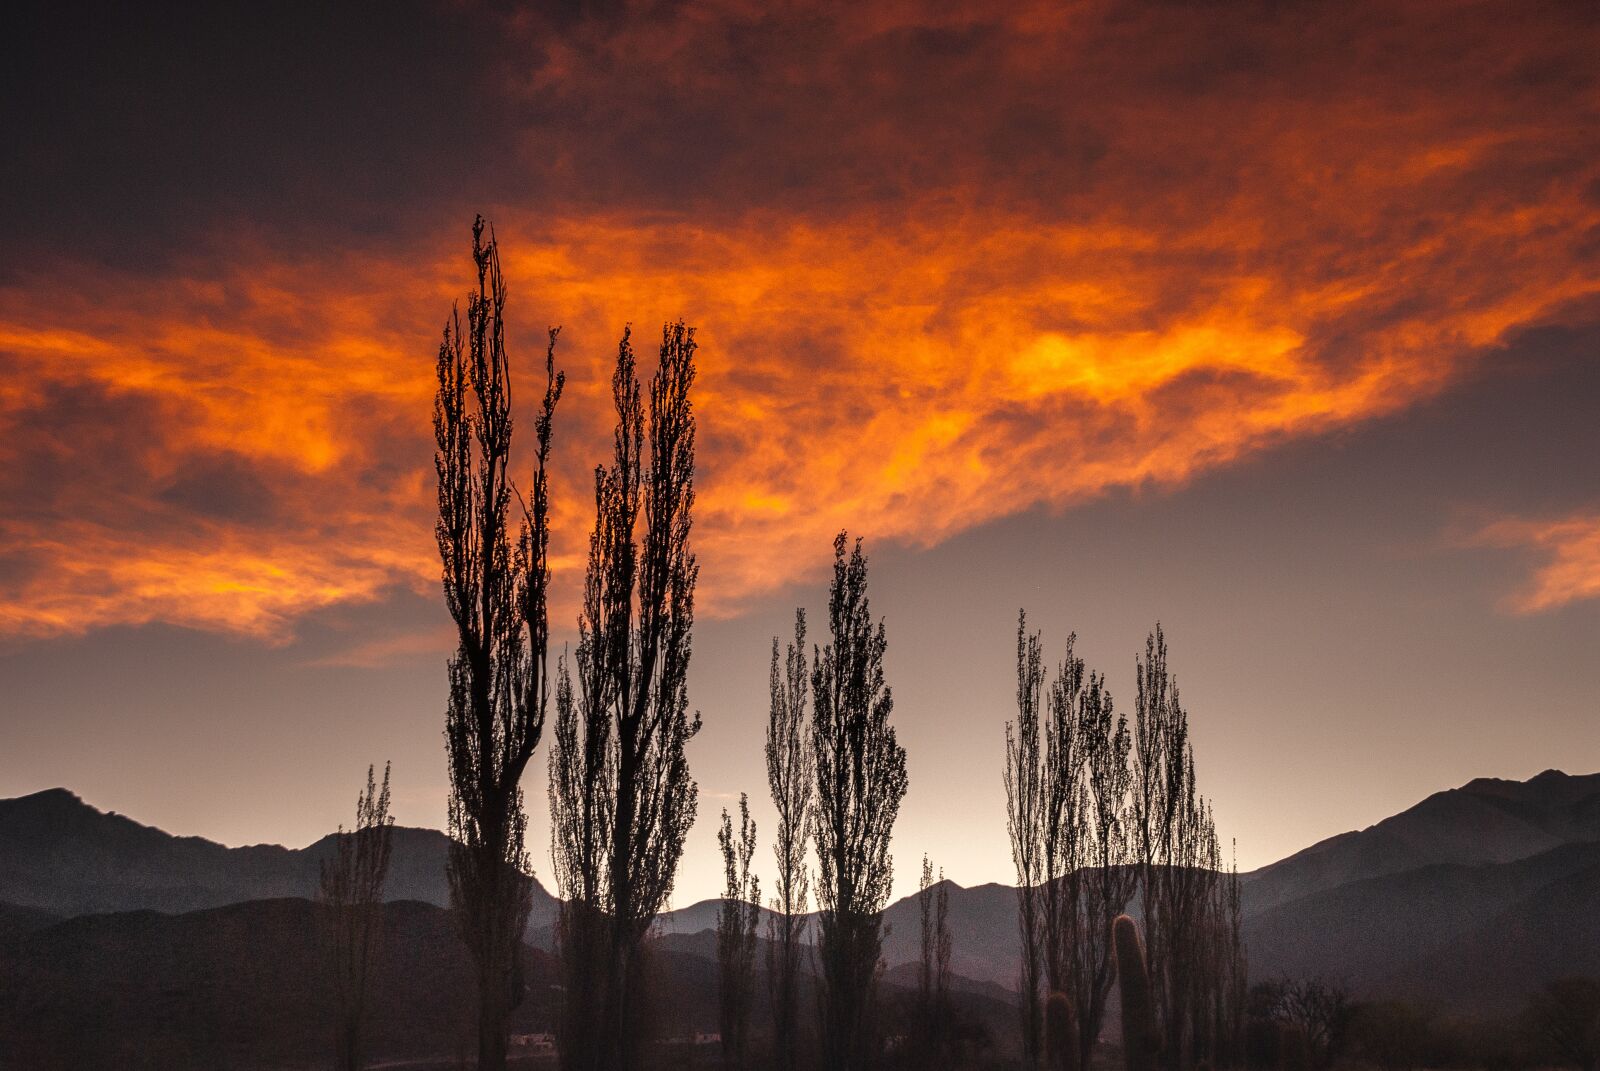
(248, 987)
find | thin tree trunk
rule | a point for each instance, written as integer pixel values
(493, 1019)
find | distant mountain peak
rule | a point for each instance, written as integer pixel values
(1486, 820)
(50, 797)
(947, 883)
(63, 855)
(1552, 785)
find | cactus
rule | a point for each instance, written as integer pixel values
(1138, 1009)
(1060, 1033)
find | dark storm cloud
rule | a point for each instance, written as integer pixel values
(135, 129)
(222, 488)
(70, 430)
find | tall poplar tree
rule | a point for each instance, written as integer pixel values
(736, 935)
(1025, 822)
(496, 581)
(1067, 783)
(790, 777)
(932, 1018)
(351, 894)
(1108, 877)
(861, 779)
(621, 797)
(1174, 840)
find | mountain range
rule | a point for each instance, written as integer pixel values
(61, 855)
(1486, 821)
(1467, 901)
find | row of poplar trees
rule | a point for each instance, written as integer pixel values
(1102, 814)
(621, 797)
(837, 775)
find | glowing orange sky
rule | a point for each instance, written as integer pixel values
(1308, 239)
(1274, 322)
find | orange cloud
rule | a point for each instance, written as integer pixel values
(944, 270)
(1571, 549)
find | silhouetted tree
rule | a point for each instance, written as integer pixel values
(1175, 843)
(1320, 1008)
(1108, 879)
(580, 805)
(1067, 783)
(351, 892)
(1209, 943)
(933, 1012)
(1065, 804)
(1095, 812)
(1025, 822)
(1232, 974)
(495, 586)
(622, 800)
(1158, 759)
(736, 936)
(789, 775)
(861, 779)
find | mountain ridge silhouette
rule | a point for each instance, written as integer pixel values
(1371, 905)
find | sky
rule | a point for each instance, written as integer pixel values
(1276, 323)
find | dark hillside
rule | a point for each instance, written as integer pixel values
(1484, 821)
(59, 854)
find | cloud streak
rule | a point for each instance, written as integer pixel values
(1570, 549)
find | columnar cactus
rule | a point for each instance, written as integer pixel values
(1138, 1009)
(1060, 1033)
